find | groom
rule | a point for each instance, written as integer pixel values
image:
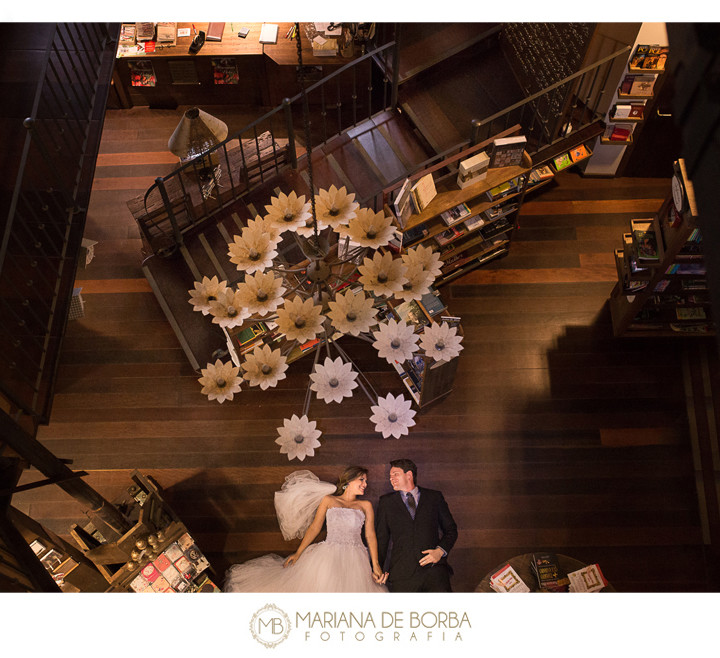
(418, 523)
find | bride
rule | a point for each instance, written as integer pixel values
(338, 564)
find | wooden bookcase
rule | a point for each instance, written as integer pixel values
(156, 531)
(495, 218)
(671, 297)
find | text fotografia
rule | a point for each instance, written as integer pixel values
(444, 626)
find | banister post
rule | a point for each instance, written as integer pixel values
(168, 207)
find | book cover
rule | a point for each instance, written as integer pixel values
(562, 161)
(474, 222)
(142, 73)
(645, 241)
(415, 233)
(621, 111)
(473, 170)
(127, 34)
(411, 313)
(423, 192)
(214, 31)
(588, 579)
(579, 153)
(269, 33)
(448, 235)
(455, 215)
(225, 71)
(500, 191)
(162, 562)
(508, 151)
(549, 575)
(642, 85)
(166, 33)
(637, 112)
(508, 580)
(690, 313)
(402, 205)
(144, 31)
(173, 552)
(432, 304)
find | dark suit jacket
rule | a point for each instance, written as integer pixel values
(433, 526)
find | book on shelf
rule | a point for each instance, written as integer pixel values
(587, 579)
(508, 580)
(647, 240)
(415, 368)
(580, 152)
(402, 205)
(451, 320)
(507, 151)
(423, 192)
(662, 285)
(323, 47)
(476, 221)
(472, 170)
(432, 303)
(690, 313)
(699, 328)
(695, 269)
(621, 111)
(455, 215)
(215, 31)
(496, 228)
(269, 33)
(638, 85)
(541, 173)
(449, 235)
(650, 57)
(225, 71)
(503, 189)
(415, 233)
(411, 313)
(491, 214)
(637, 111)
(550, 577)
(619, 132)
(694, 284)
(562, 161)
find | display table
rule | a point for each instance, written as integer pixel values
(230, 71)
(523, 567)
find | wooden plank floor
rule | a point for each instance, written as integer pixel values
(556, 437)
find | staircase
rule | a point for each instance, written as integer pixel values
(365, 159)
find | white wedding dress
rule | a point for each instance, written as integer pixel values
(341, 563)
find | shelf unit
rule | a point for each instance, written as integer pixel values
(480, 243)
(670, 297)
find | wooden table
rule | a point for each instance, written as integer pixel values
(267, 72)
(522, 565)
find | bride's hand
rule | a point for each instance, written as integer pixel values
(291, 559)
(378, 575)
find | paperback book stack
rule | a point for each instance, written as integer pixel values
(588, 579)
(472, 170)
(507, 580)
(547, 570)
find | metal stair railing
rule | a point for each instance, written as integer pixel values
(46, 217)
(185, 199)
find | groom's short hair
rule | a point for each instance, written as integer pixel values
(406, 465)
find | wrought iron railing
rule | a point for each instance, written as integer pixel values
(44, 226)
(185, 199)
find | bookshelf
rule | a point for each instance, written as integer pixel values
(668, 297)
(425, 379)
(484, 232)
(157, 554)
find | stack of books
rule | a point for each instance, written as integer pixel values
(455, 215)
(547, 570)
(507, 580)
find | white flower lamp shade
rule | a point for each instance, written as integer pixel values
(441, 342)
(288, 212)
(382, 274)
(253, 250)
(206, 291)
(417, 283)
(333, 380)
(300, 319)
(228, 310)
(264, 225)
(298, 437)
(395, 341)
(369, 229)
(220, 381)
(425, 257)
(264, 367)
(261, 293)
(352, 313)
(334, 207)
(392, 416)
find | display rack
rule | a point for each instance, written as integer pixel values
(668, 297)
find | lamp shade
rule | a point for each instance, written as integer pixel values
(197, 132)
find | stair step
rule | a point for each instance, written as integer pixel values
(423, 45)
(350, 165)
(431, 121)
(378, 153)
(403, 139)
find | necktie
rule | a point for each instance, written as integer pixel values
(411, 503)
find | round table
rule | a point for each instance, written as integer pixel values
(522, 565)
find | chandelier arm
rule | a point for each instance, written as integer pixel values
(291, 348)
(366, 336)
(285, 270)
(308, 392)
(361, 375)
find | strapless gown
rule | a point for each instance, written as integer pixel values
(341, 563)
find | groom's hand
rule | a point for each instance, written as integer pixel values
(432, 556)
(382, 579)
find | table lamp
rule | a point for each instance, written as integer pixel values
(196, 133)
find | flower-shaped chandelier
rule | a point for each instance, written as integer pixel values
(339, 286)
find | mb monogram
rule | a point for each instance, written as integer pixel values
(270, 625)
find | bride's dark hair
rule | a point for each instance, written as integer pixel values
(348, 475)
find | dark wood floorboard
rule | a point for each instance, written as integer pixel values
(557, 435)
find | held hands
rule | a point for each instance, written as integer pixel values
(432, 556)
(378, 576)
